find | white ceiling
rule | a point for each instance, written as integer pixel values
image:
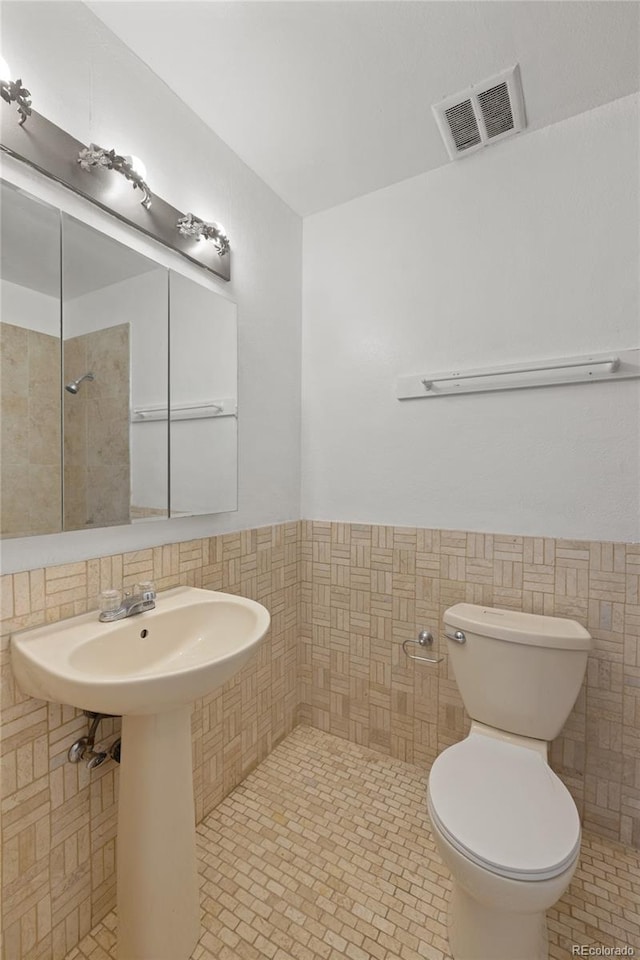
(327, 101)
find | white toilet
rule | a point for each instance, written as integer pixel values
(503, 822)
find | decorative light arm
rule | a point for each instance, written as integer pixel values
(192, 226)
(95, 156)
(13, 92)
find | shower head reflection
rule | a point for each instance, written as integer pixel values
(75, 384)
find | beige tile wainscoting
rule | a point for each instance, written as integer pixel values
(59, 820)
(342, 597)
(365, 589)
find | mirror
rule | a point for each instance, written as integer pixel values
(115, 349)
(203, 377)
(89, 350)
(30, 464)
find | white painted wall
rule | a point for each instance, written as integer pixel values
(84, 79)
(523, 251)
(528, 249)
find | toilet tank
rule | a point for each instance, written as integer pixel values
(519, 672)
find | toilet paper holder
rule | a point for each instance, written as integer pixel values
(425, 640)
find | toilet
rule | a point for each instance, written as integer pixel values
(504, 824)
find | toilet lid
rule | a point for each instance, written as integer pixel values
(503, 807)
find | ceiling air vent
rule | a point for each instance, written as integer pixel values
(482, 114)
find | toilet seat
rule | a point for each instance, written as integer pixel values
(502, 807)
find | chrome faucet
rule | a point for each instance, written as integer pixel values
(131, 603)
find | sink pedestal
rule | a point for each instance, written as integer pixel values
(158, 892)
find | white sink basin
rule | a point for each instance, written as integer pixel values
(148, 668)
(190, 644)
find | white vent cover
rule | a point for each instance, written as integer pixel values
(482, 114)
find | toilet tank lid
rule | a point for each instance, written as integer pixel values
(517, 627)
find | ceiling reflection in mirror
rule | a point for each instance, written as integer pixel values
(88, 418)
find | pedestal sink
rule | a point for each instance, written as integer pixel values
(148, 668)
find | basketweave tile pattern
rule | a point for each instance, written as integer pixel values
(344, 595)
(325, 852)
(365, 589)
(59, 820)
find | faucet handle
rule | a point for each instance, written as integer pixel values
(147, 589)
(110, 600)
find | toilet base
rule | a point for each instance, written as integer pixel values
(477, 932)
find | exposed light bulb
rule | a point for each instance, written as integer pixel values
(5, 72)
(138, 166)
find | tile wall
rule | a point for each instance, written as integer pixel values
(97, 467)
(59, 820)
(342, 599)
(366, 589)
(30, 443)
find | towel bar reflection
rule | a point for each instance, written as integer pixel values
(185, 411)
(425, 639)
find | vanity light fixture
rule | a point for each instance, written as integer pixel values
(138, 166)
(130, 167)
(192, 226)
(55, 153)
(12, 91)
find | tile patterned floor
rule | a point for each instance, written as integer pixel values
(325, 852)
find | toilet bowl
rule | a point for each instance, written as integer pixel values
(503, 822)
(509, 832)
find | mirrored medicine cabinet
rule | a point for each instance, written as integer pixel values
(118, 381)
